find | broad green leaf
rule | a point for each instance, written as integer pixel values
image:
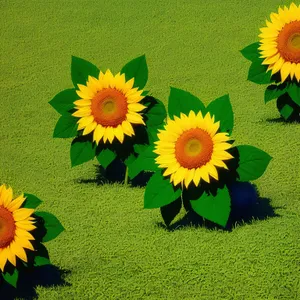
(11, 279)
(216, 209)
(52, 225)
(159, 192)
(222, 110)
(140, 148)
(144, 162)
(156, 114)
(181, 101)
(81, 151)
(252, 162)
(251, 52)
(137, 69)
(258, 73)
(66, 127)
(106, 157)
(64, 101)
(152, 133)
(170, 211)
(31, 201)
(274, 91)
(42, 256)
(81, 69)
(129, 160)
(294, 93)
(286, 111)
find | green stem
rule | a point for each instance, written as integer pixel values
(126, 177)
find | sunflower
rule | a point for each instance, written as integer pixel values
(190, 149)
(280, 42)
(15, 224)
(108, 107)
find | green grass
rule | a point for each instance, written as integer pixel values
(112, 247)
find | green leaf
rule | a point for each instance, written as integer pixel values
(140, 148)
(64, 101)
(152, 133)
(286, 111)
(258, 73)
(216, 209)
(81, 69)
(251, 52)
(294, 93)
(144, 162)
(11, 279)
(137, 69)
(31, 201)
(145, 93)
(52, 225)
(159, 192)
(156, 114)
(66, 127)
(252, 162)
(106, 157)
(183, 102)
(81, 151)
(42, 256)
(170, 211)
(129, 160)
(274, 91)
(222, 110)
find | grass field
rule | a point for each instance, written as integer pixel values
(112, 248)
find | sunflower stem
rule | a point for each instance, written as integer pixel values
(126, 176)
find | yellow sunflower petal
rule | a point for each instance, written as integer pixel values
(285, 70)
(297, 72)
(180, 175)
(83, 102)
(189, 177)
(18, 251)
(110, 133)
(171, 169)
(85, 121)
(16, 204)
(21, 233)
(135, 118)
(7, 196)
(119, 133)
(3, 258)
(82, 112)
(22, 214)
(26, 225)
(136, 107)
(127, 128)
(89, 128)
(10, 255)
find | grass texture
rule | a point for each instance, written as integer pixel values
(112, 248)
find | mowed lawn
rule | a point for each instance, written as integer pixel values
(112, 248)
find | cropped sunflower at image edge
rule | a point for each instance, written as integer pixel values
(276, 60)
(23, 230)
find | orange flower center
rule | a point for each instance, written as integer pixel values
(7, 227)
(109, 107)
(289, 42)
(194, 148)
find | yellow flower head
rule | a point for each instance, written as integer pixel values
(280, 42)
(108, 107)
(189, 149)
(15, 224)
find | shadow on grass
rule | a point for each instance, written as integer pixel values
(281, 120)
(244, 210)
(46, 276)
(115, 173)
